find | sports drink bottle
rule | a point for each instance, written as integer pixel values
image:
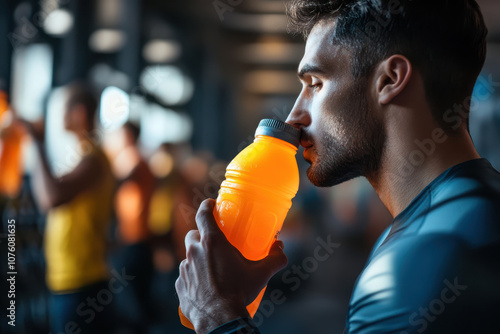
(257, 193)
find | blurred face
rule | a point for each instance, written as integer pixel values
(342, 135)
(75, 118)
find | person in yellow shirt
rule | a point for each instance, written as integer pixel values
(80, 206)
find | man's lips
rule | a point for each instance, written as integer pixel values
(305, 143)
(307, 146)
(307, 154)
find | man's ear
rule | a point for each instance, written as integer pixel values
(393, 74)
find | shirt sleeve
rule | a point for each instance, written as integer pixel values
(237, 326)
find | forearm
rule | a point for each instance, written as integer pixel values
(44, 177)
(39, 192)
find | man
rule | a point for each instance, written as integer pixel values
(134, 192)
(386, 95)
(79, 204)
(132, 201)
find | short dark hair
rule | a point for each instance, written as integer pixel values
(445, 40)
(81, 93)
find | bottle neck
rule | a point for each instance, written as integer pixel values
(263, 138)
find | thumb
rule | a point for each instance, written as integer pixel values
(275, 261)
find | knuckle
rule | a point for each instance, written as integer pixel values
(199, 214)
(178, 284)
(182, 268)
(203, 210)
(284, 261)
(190, 251)
(191, 235)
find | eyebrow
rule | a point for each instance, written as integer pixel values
(309, 69)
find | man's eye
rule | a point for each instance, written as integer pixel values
(315, 86)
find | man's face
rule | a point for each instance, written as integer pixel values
(75, 117)
(342, 135)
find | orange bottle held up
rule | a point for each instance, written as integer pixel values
(11, 139)
(257, 193)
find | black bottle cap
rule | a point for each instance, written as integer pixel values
(280, 130)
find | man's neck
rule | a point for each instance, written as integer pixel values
(406, 169)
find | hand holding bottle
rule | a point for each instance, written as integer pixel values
(216, 281)
(251, 206)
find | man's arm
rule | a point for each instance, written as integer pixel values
(216, 282)
(52, 191)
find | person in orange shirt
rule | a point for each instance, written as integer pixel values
(132, 201)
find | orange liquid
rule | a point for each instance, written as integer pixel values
(10, 162)
(255, 198)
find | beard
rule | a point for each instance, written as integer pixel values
(350, 147)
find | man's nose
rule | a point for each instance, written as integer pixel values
(299, 117)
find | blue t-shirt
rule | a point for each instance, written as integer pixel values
(436, 269)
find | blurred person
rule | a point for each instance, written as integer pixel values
(79, 210)
(194, 184)
(163, 167)
(132, 202)
(386, 93)
(170, 198)
(168, 224)
(11, 138)
(136, 184)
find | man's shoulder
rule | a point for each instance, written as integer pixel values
(446, 249)
(466, 205)
(410, 280)
(411, 259)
